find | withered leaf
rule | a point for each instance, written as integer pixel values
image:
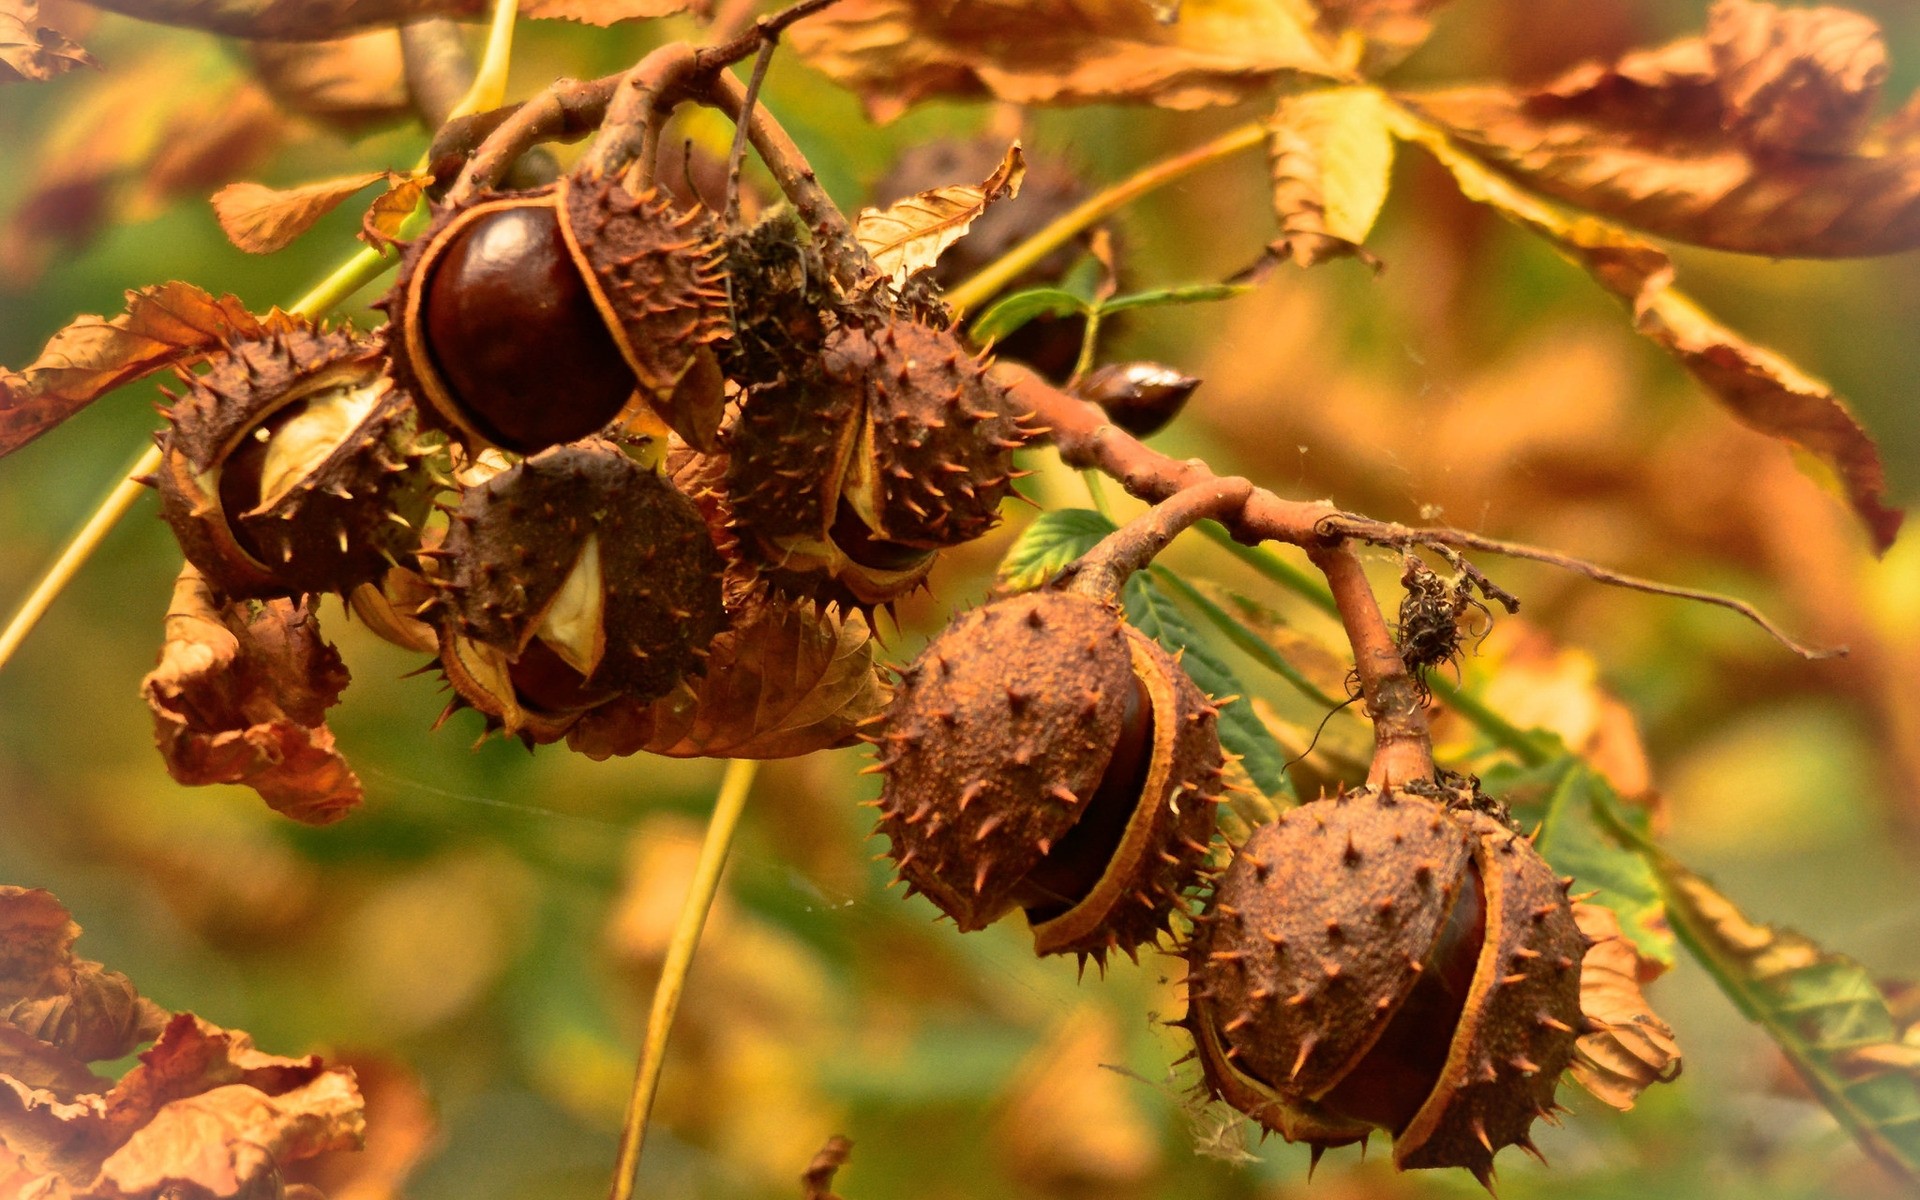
(1391, 29)
(240, 696)
(32, 51)
(402, 1129)
(290, 20)
(1747, 139)
(816, 1182)
(909, 235)
(1332, 156)
(1761, 389)
(611, 12)
(203, 1111)
(261, 220)
(1633, 1048)
(350, 84)
(894, 53)
(165, 324)
(380, 226)
(787, 679)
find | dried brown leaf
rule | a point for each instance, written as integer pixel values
(202, 150)
(351, 84)
(1331, 155)
(240, 696)
(402, 1129)
(30, 51)
(1633, 1048)
(164, 325)
(1748, 139)
(202, 1110)
(380, 226)
(786, 680)
(261, 220)
(1759, 388)
(895, 53)
(816, 1181)
(612, 12)
(1392, 29)
(290, 20)
(909, 236)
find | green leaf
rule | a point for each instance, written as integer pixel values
(1822, 1009)
(1016, 310)
(1154, 613)
(1577, 812)
(1045, 547)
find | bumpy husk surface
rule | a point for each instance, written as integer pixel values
(334, 527)
(1167, 838)
(516, 538)
(996, 738)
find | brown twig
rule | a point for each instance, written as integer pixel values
(1402, 748)
(1387, 533)
(1102, 571)
(483, 146)
(631, 131)
(737, 153)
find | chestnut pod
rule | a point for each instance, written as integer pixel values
(1387, 960)
(581, 558)
(292, 465)
(528, 320)
(1043, 755)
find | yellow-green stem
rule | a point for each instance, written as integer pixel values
(673, 972)
(990, 280)
(490, 80)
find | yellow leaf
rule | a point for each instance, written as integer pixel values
(260, 219)
(1332, 156)
(910, 235)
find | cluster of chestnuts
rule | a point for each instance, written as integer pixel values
(598, 422)
(596, 426)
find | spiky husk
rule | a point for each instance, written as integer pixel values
(788, 454)
(1520, 1023)
(356, 501)
(657, 274)
(1282, 1009)
(995, 741)
(1167, 838)
(517, 539)
(935, 454)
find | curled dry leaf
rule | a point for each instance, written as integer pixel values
(402, 1130)
(611, 12)
(1747, 139)
(350, 84)
(240, 696)
(816, 1181)
(894, 53)
(1332, 155)
(1762, 390)
(786, 679)
(1633, 1048)
(908, 236)
(59, 1012)
(380, 226)
(203, 1114)
(261, 220)
(30, 51)
(164, 325)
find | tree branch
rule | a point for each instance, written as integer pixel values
(1402, 749)
(1103, 570)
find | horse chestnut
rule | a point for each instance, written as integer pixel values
(532, 319)
(292, 465)
(1386, 960)
(1043, 755)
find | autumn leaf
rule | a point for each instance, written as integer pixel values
(1822, 1009)
(895, 53)
(1390, 29)
(351, 84)
(611, 12)
(203, 1112)
(1749, 138)
(908, 236)
(816, 1182)
(788, 679)
(381, 225)
(240, 696)
(1332, 156)
(1760, 389)
(30, 51)
(1632, 1048)
(402, 1130)
(164, 325)
(59, 1012)
(261, 220)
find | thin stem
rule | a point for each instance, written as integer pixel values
(1103, 570)
(366, 265)
(490, 81)
(673, 972)
(1402, 748)
(1089, 212)
(737, 153)
(78, 550)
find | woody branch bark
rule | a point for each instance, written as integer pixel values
(1085, 438)
(1103, 570)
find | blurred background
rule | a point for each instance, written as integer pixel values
(483, 937)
